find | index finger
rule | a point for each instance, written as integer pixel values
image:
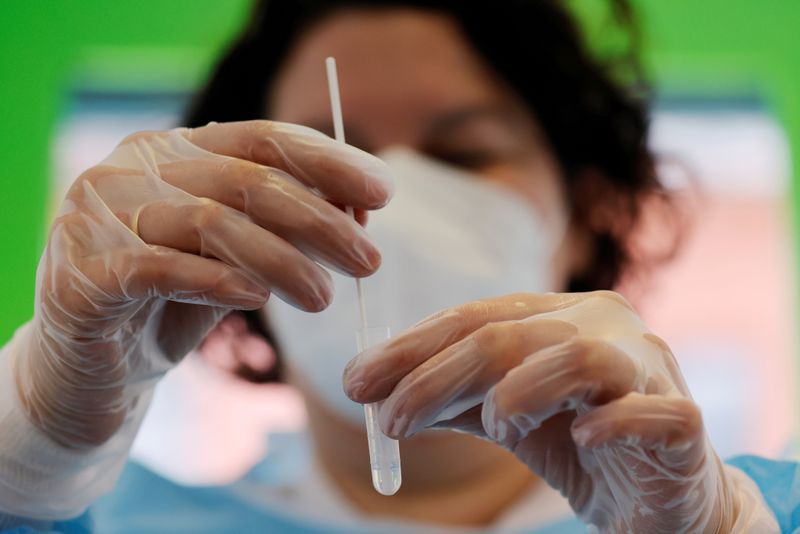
(372, 375)
(340, 172)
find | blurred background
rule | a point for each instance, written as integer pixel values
(78, 76)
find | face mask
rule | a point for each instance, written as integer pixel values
(446, 238)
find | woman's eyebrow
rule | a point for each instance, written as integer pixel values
(440, 126)
(447, 122)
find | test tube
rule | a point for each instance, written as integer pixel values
(384, 452)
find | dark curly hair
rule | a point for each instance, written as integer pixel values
(596, 125)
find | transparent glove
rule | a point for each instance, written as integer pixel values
(149, 250)
(581, 392)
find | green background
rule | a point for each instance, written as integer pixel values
(712, 47)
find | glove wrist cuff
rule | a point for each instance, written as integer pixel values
(40, 478)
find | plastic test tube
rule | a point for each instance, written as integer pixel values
(384, 452)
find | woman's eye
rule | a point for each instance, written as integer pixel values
(467, 159)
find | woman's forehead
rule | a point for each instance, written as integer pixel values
(398, 68)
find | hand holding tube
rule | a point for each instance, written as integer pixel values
(149, 250)
(581, 392)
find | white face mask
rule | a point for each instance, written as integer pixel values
(446, 238)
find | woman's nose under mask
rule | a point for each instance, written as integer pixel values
(447, 237)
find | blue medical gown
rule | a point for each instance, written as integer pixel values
(144, 502)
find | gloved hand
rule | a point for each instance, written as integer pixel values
(149, 250)
(581, 392)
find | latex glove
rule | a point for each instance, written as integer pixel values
(149, 250)
(580, 391)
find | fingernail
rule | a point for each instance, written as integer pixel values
(354, 388)
(393, 425)
(374, 257)
(367, 255)
(383, 180)
(400, 427)
(357, 390)
(390, 426)
(321, 294)
(412, 427)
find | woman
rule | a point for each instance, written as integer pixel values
(519, 169)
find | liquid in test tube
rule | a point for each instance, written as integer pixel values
(384, 452)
